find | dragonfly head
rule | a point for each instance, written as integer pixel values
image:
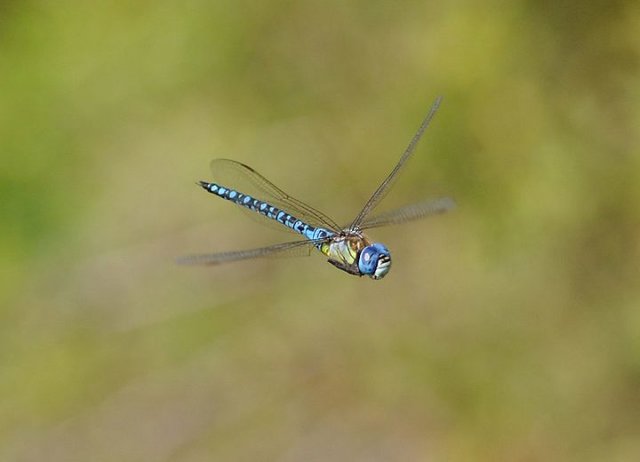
(375, 261)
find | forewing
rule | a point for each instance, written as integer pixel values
(384, 188)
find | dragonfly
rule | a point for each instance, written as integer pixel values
(347, 248)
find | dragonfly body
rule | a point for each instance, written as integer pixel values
(346, 248)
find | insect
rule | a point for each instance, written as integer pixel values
(346, 247)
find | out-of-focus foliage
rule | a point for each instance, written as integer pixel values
(507, 330)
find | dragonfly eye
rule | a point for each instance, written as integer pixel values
(375, 261)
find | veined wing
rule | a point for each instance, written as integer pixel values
(286, 249)
(244, 179)
(383, 189)
(409, 213)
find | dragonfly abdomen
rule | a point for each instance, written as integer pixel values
(266, 209)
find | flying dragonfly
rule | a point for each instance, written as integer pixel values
(346, 247)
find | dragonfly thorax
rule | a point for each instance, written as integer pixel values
(355, 254)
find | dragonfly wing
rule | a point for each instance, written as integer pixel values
(287, 249)
(384, 188)
(409, 213)
(243, 178)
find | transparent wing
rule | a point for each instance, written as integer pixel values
(384, 188)
(410, 213)
(246, 180)
(287, 249)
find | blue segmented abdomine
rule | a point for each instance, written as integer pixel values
(268, 210)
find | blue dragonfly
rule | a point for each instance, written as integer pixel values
(346, 247)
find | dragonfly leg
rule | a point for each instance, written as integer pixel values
(346, 268)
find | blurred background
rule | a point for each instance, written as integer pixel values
(507, 330)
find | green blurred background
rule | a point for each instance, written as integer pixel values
(507, 330)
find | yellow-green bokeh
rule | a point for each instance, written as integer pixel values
(506, 330)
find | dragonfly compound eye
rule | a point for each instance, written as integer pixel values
(375, 261)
